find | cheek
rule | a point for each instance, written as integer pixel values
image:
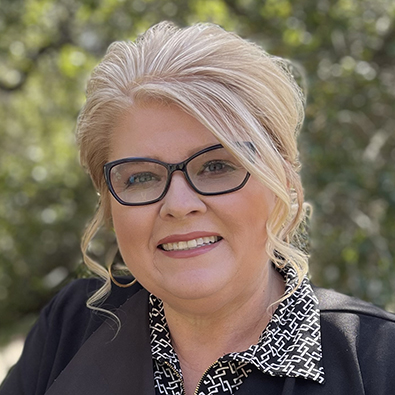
(118, 219)
(132, 229)
(245, 219)
(255, 215)
(259, 206)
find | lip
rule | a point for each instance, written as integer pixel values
(183, 254)
(186, 237)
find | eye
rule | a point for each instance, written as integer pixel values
(142, 180)
(216, 167)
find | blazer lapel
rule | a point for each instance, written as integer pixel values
(107, 365)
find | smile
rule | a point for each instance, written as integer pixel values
(190, 244)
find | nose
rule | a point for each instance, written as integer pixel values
(181, 200)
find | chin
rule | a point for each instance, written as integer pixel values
(192, 287)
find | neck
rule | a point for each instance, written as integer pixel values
(200, 339)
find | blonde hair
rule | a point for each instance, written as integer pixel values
(230, 85)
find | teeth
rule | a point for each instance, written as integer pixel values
(192, 243)
(186, 245)
(182, 245)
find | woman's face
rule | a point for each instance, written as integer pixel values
(235, 265)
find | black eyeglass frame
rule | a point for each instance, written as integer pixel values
(171, 168)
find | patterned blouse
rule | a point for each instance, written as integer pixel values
(289, 346)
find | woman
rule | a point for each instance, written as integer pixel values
(189, 136)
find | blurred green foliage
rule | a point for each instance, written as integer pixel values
(347, 51)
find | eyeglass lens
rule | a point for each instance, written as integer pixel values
(142, 181)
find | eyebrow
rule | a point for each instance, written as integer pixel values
(189, 153)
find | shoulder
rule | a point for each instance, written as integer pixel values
(355, 320)
(61, 329)
(357, 337)
(68, 320)
(73, 297)
(332, 302)
(77, 292)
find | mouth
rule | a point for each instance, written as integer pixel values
(190, 244)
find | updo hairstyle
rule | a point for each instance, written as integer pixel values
(230, 85)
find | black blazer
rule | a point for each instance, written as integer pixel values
(72, 351)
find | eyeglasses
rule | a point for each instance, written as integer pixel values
(141, 181)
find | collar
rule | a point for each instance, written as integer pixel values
(289, 346)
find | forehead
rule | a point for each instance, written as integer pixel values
(161, 131)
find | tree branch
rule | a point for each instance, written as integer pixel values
(64, 38)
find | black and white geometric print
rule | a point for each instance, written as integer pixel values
(291, 343)
(167, 380)
(161, 347)
(224, 377)
(289, 346)
(167, 370)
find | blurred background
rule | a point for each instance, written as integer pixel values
(346, 49)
